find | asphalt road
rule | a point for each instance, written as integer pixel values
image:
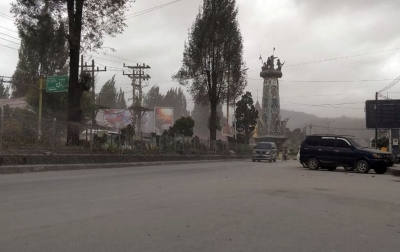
(237, 206)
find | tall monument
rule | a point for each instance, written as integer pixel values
(270, 127)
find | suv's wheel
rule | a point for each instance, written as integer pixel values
(381, 170)
(313, 164)
(362, 166)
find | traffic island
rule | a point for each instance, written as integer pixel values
(39, 163)
(395, 171)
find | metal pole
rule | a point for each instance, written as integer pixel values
(40, 107)
(376, 120)
(93, 113)
(1, 130)
(54, 133)
(119, 140)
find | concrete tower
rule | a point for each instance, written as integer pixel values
(270, 126)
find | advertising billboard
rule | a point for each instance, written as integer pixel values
(163, 119)
(114, 118)
(383, 114)
(148, 122)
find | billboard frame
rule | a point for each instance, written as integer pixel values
(155, 114)
(382, 114)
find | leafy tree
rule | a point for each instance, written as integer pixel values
(201, 116)
(4, 90)
(153, 98)
(121, 102)
(108, 94)
(88, 22)
(43, 51)
(382, 142)
(214, 46)
(246, 116)
(176, 99)
(183, 126)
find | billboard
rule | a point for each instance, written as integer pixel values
(383, 114)
(148, 122)
(163, 119)
(114, 118)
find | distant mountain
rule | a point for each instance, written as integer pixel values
(341, 125)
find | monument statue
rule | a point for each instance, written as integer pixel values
(280, 65)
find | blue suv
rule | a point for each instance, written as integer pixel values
(332, 151)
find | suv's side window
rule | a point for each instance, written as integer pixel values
(341, 143)
(328, 142)
(312, 141)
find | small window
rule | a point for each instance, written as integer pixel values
(312, 141)
(328, 142)
(340, 143)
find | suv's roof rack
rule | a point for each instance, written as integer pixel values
(337, 135)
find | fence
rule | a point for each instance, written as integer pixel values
(19, 133)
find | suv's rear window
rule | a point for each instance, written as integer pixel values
(264, 146)
(312, 141)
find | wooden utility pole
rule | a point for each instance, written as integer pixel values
(85, 68)
(138, 74)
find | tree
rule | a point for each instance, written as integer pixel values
(183, 126)
(382, 142)
(213, 52)
(176, 99)
(4, 90)
(121, 103)
(153, 98)
(201, 116)
(43, 51)
(108, 94)
(88, 21)
(246, 116)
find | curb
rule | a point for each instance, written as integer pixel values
(70, 167)
(394, 171)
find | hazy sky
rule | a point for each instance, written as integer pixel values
(301, 31)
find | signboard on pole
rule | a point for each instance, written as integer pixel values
(57, 84)
(382, 114)
(163, 119)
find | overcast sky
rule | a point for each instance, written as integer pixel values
(301, 31)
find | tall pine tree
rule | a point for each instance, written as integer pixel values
(213, 52)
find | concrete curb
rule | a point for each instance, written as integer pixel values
(394, 171)
(69, 167)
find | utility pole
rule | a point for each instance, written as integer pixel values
(227, 96)
(92, 71)
(138, 74)
(310, 129)
(40, 107)
(376, 120)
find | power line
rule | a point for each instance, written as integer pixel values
(1, 13)
(394, 82)
(6, 17)
(9, 47)
(9, 41)
(343, 57)
(9, 36)
(136, 14)
(323, 105)
(334, 81)
(8, 29)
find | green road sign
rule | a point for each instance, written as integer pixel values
(56, 84)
